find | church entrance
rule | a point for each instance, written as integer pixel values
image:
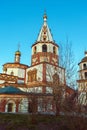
(30, 107)
(10, 107)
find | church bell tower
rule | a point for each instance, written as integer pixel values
(45, 49)
(82, 81)
(44, 62)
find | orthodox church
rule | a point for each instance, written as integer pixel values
(20, 82)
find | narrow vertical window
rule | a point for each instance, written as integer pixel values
(84, 66)
(54, 49)
(44, 48)
(32, 75)
(35, 50)
(85, 75)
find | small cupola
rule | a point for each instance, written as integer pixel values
(18, 53)
(17, 56)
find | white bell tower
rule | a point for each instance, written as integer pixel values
(45, 61)
(45, 49)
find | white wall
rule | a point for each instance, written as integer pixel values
(35, 89)
(17, 72)
(23, 106)
(2, 81)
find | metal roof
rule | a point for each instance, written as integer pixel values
(10, 90)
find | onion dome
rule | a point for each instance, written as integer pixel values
(85, 58)
(18, 53)
(17, 56)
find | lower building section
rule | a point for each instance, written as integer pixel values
(32, 103)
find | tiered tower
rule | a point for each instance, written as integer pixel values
(45, 61)
(82, 82)
(45, 48)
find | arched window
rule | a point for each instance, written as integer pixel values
(32, 75)
(30, 107)
(84, 66)
(54, 49)
(85, 75)
(35, 50)
(10, 107)
(44, 48)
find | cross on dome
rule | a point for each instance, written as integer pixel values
(45, 17)
(18, 46)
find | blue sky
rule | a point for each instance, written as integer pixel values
(21, 20)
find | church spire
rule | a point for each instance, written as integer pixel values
(45, 33)
(45, 49)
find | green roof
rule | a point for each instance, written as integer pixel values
(10, 90)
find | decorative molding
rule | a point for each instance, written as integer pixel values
(15, 65)
(32, 75)
(8, 77)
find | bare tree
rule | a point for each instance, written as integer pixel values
(67, 60)
(58, 93)
(57, 84)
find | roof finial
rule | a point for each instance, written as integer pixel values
(45, 16)
(18, 51)
(18, 46)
